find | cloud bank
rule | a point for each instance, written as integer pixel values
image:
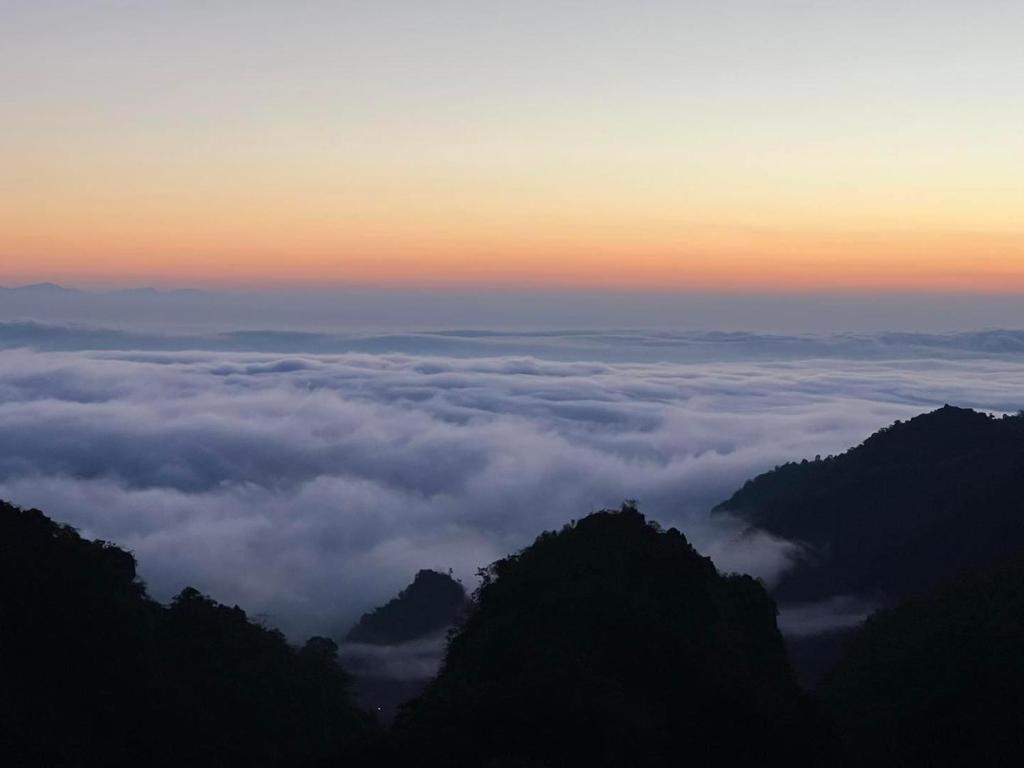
(311, 487)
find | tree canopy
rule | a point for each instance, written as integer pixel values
(612, 642)
(96, 673)
(431, 603)
(917, 503)
(938, 680)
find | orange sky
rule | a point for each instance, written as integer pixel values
(670, 147)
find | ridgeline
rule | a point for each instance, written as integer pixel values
(610, 642)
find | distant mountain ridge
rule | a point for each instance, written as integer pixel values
(56, 289)
(913, 506)
(393, 650)
(431, 603)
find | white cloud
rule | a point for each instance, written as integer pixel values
(825, 616)
(311, 487)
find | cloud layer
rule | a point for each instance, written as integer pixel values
(310, 487)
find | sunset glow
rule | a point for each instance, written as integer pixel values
(733, 150)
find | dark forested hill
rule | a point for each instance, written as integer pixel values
(95, 673)
(914, 505)
(613, 643)
(431, 603)
(939, 680)
(609, 642)
(394, 650)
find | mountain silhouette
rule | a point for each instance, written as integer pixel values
(394, 650)
(609, 642)
(913, 506)
(938, 680)
(430, 604)
(41, 290)
(94, 673)
(612, 642)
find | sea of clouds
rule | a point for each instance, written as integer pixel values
(310, 486)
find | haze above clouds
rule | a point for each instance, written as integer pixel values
(362, 309)
(310, 485)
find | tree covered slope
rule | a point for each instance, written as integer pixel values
(914, 505)
(612, 642)
(95, 673)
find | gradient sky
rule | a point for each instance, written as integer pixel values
(717, 146)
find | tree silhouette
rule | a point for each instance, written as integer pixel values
(431, 603)
(95, 673)
(914, 505)
(938, 680)
(613, 643)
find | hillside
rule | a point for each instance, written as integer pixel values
(938, 680)
(394, 650)
(914, 505)
(95, 673)
(431, 603)
(612, 642)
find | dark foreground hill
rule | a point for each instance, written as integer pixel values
(608, 643)
(612, 642)
(913, 506)
(939, 680)
(95, 673)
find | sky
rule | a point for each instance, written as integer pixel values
(729, 147)
(461, 271)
